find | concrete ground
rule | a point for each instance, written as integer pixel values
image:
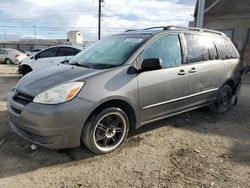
(195, 149)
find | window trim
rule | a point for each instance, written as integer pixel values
(183, 48)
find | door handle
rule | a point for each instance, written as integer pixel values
(182, 72)
(193, 70)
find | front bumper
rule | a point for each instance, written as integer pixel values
(52, 126)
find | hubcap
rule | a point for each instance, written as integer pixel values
(109, 131)
(224, 98)
(8, 61)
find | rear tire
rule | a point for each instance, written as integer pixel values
(105, 130)
(223, 102)
(8, 62)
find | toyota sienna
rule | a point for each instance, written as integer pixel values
(122, 82)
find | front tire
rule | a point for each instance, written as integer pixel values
(105, 130)
(8, 62)
(223, 102)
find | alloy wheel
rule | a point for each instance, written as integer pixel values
(109, 131)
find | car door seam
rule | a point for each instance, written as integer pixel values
(178, 99)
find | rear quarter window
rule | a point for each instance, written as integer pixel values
(231, 50)
(225, 48)
(51, 52)
(67, 51)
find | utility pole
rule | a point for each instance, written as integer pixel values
(99, 18)
(35, 33)
(4, 33)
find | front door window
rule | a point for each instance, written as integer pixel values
(167, 48)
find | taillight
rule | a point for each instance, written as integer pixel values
(17, 55)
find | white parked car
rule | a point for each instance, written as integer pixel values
(48, 56)
(11, 56)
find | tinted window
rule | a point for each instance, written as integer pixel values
(200, 48)
(221, 47)
(67, 51)
(225, 48)
(36, 50)
(167, 48)
(48, 53)
(230, 50)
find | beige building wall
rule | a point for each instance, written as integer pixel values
(240, 25)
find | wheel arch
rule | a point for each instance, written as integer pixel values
(118, 103)
(23, 67)
(232, 84)
(7, 59)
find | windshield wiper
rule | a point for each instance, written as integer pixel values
(78, 64)
(65, 62)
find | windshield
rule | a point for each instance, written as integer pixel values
(109, 52)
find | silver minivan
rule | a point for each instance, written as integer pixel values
(122, 82)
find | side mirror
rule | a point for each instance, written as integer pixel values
(151, 64)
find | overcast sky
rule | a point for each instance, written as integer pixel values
(53, 18)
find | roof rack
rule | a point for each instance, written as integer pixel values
(174, 27)
(158, 27)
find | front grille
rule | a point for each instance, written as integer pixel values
(16, 110)
(22, 98)
(35, 138)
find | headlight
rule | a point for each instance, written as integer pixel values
(59, 94)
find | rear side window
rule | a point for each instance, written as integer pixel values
(231, 51)
(67, 51)
(225, 48)
(167, 48)
(5, 52)
(51, 52)
(221, 47)
(200, 48)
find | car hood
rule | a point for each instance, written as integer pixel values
(41, 80)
